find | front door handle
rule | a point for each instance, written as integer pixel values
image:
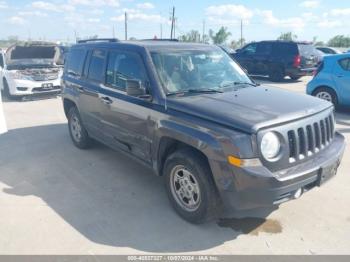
(340, 76)
(106, 100)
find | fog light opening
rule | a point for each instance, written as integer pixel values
(298, 193)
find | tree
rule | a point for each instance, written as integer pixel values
(192, 36)
(288, 36)
(237, 44)
(339, 41)
(219, 37)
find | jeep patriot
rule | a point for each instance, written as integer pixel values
(191, 113)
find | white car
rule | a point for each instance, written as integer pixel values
(29, 69)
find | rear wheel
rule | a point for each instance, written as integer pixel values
(327, 94)
(190, 186)
(276, 74)
(295, 77)
(77, 130)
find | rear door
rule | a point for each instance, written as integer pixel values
(127, 119)
(342, 80)
(309, 56)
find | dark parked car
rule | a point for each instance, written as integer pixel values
(278, 59)
(190, 113)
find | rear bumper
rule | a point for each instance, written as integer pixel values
(256, 187)
(300, 71)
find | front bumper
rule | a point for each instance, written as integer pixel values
(257, 187)
(18, 87)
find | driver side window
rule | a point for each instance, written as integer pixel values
(124, 66)
(250, 49)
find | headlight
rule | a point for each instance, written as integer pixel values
(18, 75)
(270, 146)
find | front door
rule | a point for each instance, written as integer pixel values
(342, 80)
(126, 120)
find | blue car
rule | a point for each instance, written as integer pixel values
(332, 80)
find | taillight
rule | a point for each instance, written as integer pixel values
(297, 61)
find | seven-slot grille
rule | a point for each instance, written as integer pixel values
(308, 140)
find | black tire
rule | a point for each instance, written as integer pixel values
(198, 167)
(82, 141)
(6, 90)
(326, 91)
(276, 74)
(295, 78)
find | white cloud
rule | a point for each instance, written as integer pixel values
(94, 20)
(17, 20)
(338, 12)
(134, 14)
(329, 23)
(32, 13)
(229, 12)
(3, 5)
(114, 3)
(294, 23)
(145, 5)
(52, 7)
(310, 4)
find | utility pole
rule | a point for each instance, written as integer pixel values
(241, 33)
(113, 32)
(76, 36)
(161, 31)
(203, 32)
(172, 23)
(126, 26)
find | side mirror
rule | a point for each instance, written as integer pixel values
(238, 50)
(134, 88)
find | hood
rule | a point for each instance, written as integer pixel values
(249, 109)
(32, 53)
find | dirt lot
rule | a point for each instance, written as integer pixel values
(56, 199)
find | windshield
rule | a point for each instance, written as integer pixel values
(197, 70)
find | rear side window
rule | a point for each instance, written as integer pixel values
(285, 48)
(307, 50)
(345, 64)
(96, 66)
(122, 66)
(75, 62)
(264, 48)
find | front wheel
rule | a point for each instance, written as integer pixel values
(77, 130)
(190, 186)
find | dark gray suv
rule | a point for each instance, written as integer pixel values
(192, 114)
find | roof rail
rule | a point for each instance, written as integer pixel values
(98, 40)
(161, 39)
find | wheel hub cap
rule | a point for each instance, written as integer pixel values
(325, 96)
(76, 128)
(185, 188)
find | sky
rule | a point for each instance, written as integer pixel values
(62, 20)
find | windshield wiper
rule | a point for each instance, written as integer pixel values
(195, 91)
(244, 83)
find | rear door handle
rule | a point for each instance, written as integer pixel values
(340, 76)
(106, 100)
